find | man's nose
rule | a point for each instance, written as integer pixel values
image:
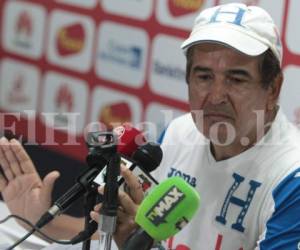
(218, 92)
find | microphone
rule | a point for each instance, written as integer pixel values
(129, 138)
(145, 159)
(127, 143)
(163, 213)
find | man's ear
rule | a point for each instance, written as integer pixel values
(274, 91)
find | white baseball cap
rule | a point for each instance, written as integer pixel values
(248, 29)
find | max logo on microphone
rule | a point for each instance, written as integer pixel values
(165, 205)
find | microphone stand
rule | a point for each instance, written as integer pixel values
(90, 200)
(97, 149)
(108, 212)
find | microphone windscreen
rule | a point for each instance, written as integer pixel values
(148, 156)
(129, 139)
(168, 208)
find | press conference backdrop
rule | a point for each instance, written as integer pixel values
(109, 61)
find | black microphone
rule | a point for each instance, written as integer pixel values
(149, 156)
(144, 160)
(83, 184)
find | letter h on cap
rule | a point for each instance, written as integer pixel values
(234, 17)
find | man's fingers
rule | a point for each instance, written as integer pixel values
(127, 203)
(124, 229)
(48, 184)
(135, 187)
(97, 207)
(12, 160)
(23, 158)
(3, 182)
(123, 216)
(101, 190)
(3, 160)
(95, 216)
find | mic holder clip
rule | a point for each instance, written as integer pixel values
(108, 212)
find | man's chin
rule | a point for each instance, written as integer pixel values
(220, 137)
(220, 140)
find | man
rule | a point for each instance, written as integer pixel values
(235, 147)
(248, 173)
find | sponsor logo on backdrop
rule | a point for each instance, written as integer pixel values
(113, 108)
(80, 3)
(23, 28)
(64, 102)
(247, 2)
(166, 70)
(139, 9)
(184, 7)
(180, 13)
(118, 112)
(121, 54)
(17, 94)
(252, 2)
(70, 39)
(160, 116)
(18, 85)
(167, 76)
(125, 55)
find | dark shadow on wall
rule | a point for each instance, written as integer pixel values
(47, 160)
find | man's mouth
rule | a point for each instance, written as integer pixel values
(219, 116)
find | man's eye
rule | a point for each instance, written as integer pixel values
(204, 77)
(236, 80)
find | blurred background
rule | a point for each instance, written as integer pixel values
(65, 64)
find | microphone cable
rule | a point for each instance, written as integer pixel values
(34, 229)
